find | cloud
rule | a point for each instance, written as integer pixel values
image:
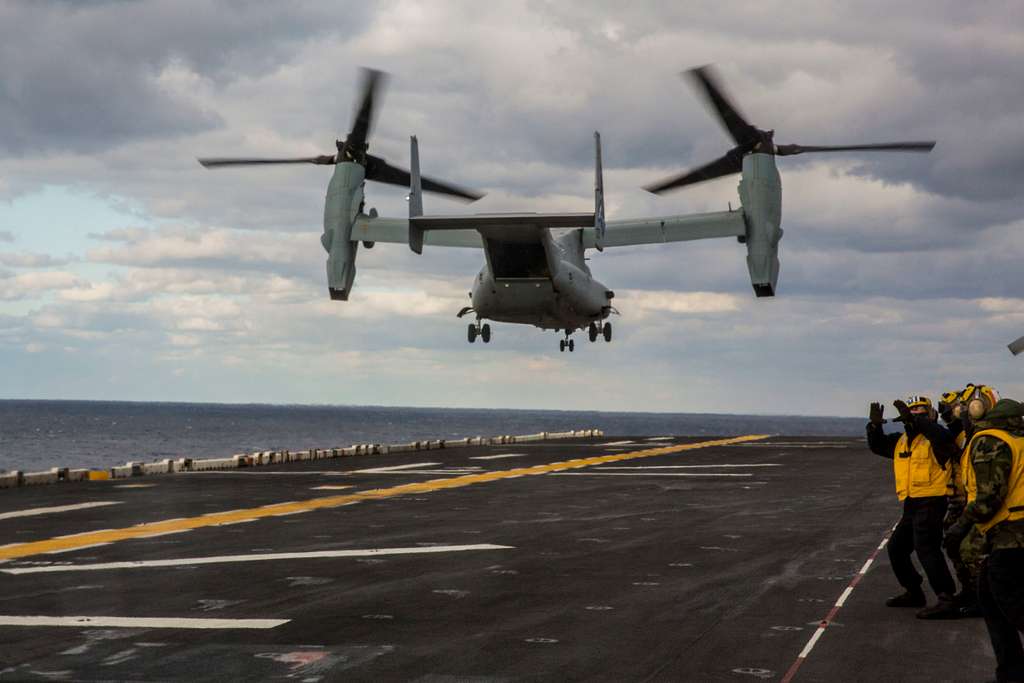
(137, 67)
(6, 236)
(26, 285)
(32, 260)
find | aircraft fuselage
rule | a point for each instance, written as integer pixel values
(545, 283)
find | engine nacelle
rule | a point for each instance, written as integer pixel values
(761, 193)
(344, 197)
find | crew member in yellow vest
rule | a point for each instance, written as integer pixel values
(996, 505)
(921, 465)
(967, 557)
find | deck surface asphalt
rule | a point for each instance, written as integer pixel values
(624, 571)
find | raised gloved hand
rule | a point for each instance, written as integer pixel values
(875, 412)
(906, 416)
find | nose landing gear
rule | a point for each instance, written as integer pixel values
(566, 343)
(483, 331)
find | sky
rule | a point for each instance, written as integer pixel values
(129, 272)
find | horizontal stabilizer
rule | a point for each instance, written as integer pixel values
(499, 220)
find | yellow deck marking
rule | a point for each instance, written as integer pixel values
(91, 538)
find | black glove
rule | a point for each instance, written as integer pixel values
(906, 417)
(954, 537)
(875, 413)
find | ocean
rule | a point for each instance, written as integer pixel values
(36, 435)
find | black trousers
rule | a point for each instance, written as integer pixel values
(920, 530)
(1001, 596)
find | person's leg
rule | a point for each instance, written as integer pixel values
(928, 545)
(900, 547)
(1001, 594)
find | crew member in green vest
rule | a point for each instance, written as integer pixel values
(996, 457)
(921, 458)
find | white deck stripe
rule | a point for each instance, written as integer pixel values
(686, 467)
(140, 622)
(811, 643)
(498, 457)
(394, 468)
(141, 564)
(615, 443)
(650, 474)
(60, 508)
(867, 565)
(842, 598)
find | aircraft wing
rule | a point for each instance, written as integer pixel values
(466, 230)
(396, 231)
(697, 226)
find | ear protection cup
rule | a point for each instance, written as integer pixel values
(976, 408)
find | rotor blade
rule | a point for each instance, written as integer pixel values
(789, 150)
(381, 171)
(719, 167)
(741, 131)
(217, 162)
(363, 121)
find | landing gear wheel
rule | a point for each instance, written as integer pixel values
(485, 333)
(561, 345)
(472, 333)
(607, 331)
(572, 346)
(592, 332)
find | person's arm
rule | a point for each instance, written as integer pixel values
(943, 443)
(880, 443)
(993, 462)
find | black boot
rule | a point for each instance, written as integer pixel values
(967, 601)
(945, 608)
(909, 598)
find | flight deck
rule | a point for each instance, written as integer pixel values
(652, 558)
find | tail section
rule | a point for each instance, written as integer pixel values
(598, 195)
(415, 196)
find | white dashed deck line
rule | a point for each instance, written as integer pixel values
(842, 598)
(662, 438)
(811, 643)
(140, 622)
(651, 474)
(687, 467)
(59, 508)
(221, 559)
(394, 468)
(331, 487)
(615, 443)
(498, 457)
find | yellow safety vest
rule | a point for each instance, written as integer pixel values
(1013, 507)
(957, 481)
(918, 475)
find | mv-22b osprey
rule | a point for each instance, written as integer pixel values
(535, 272)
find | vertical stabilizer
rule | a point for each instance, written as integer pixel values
(1017, 346)
(598, 195)
(415, 196)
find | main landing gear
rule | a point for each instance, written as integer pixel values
(483, 331)
(605, 330)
